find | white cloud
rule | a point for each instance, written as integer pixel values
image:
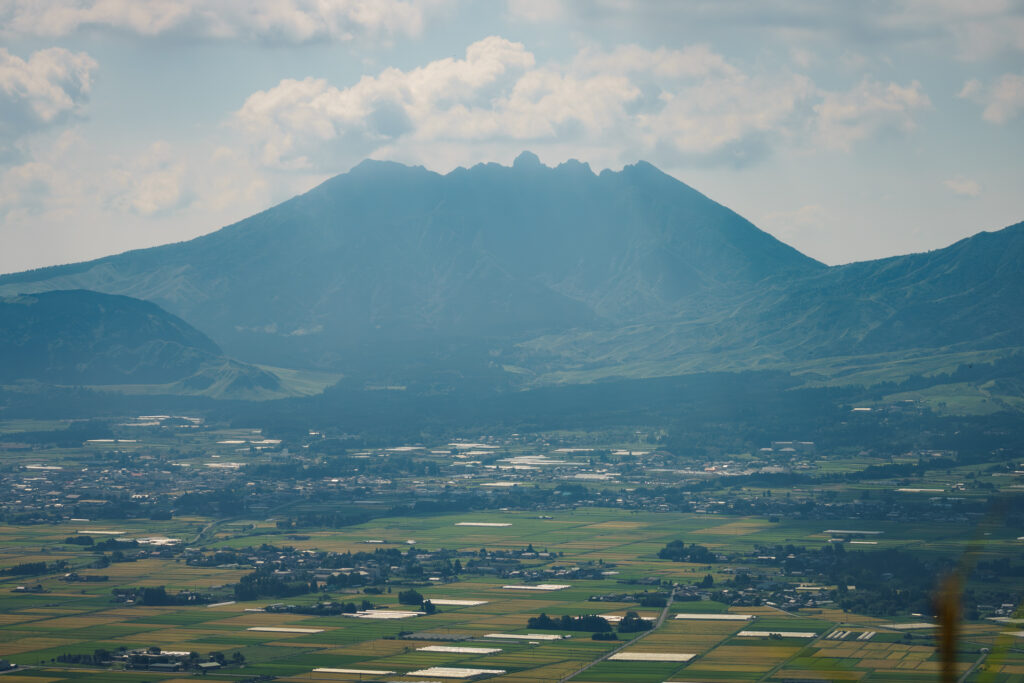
(667, 105)
(866, 110)
(689, 106)
(154, 182)
(965, 187)
(77, 199)
(53, 183)
(1003, 100)
(25, 188)
(292, 21)
(49, 87)
(308, 123)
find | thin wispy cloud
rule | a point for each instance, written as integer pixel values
(293, 21)
(964, 187)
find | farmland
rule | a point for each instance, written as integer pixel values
(119, 553)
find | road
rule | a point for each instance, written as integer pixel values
(201, 537)
(978, 662)
(620, 648)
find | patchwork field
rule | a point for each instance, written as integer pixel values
(79, 618)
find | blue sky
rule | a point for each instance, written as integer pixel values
(851, 130)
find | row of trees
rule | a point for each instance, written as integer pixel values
(631, 623)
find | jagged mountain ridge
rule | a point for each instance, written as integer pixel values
(394, 256)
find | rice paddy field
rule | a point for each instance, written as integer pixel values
(44, 618)
(78, 618)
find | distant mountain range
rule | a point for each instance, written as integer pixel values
(533, 275)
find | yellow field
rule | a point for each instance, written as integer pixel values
(741, 528)
(833, 675)
(541, 674)
(32, 643)
(760, 657)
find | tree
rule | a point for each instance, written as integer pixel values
(155, 595)
(410, 597)
(631, 623)
(707, 582)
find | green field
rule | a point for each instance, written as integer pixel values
(79, 618)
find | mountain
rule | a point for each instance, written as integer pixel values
(80, 337)
(388, 262)
(922, 311)
(531, 275)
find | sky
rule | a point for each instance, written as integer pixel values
(850, 130)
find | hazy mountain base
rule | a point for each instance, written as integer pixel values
(234, 381)
(744, 410)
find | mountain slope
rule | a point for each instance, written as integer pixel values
(400, 262)
(967, 297)
(83, 337)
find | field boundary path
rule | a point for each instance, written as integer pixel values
(620, 648)
(974, 667)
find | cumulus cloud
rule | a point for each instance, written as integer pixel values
(294, 21)
(866, 110)
(154, 182)
(671, 106)
(51, 180)
(1003, 100)
(70, 172)
(48, 88)
(78, 199)
(965, 187)
(307, 123)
